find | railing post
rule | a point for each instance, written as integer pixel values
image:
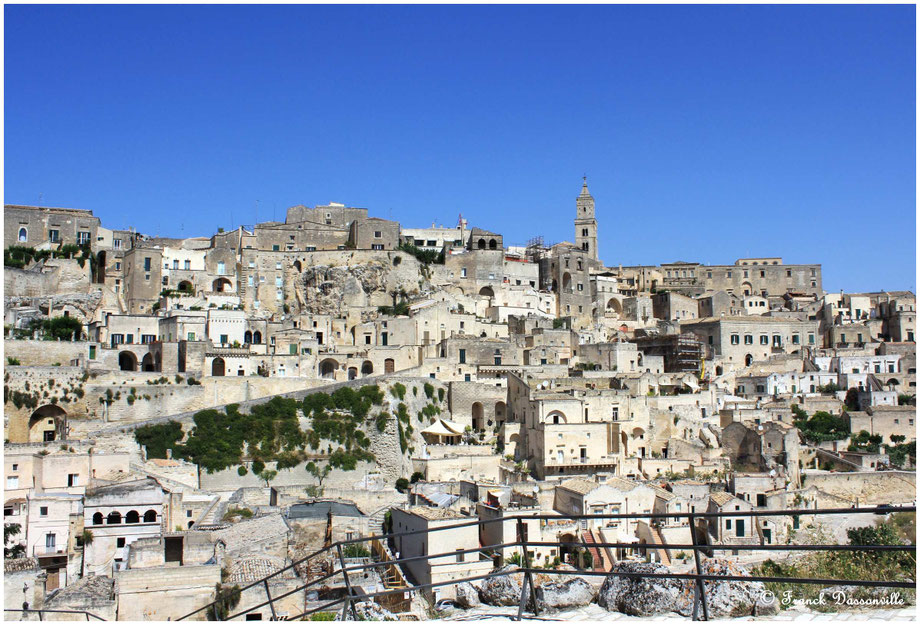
(271, 602)
(347, 603)
(528, 579)
(699, 594)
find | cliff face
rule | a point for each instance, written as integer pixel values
(331, 289)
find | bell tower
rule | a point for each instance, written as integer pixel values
(585, 223)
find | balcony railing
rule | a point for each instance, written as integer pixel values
(528, 591)
(44, 551)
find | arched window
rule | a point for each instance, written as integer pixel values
(114, 518)
(257, 338)
(482, 244)
(247, 337)
(492, 244)
(150, 516)
(132, 517)
(97, 518)
(23, 235)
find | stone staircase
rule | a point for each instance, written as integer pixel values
(599, 559)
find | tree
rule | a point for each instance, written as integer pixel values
(62, 328)
(418, 475)
(852, 399)
(268, 475)
(402, 484)
(319, 474)
(18, 550)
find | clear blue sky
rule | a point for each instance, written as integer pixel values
(707, 133)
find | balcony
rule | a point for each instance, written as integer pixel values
(44, 551)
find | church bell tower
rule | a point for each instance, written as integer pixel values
(585, 223)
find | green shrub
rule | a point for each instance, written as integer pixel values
(355, 550)
(429, 390)
(159, 437)
(418, 475)
(323, 616)
(398, 390)
(241, 471)
(402, 484)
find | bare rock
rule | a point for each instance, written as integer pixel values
(503, 589)
(467, 596)
(640, 596)
(573, 592)
(370, 611)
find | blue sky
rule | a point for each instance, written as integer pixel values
(707, 133)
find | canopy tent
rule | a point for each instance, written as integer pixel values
(439, 433)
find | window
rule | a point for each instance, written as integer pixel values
(117, 267)
(377, 246)
(728, 524)
(116, 243)
(764, 339)
(748, 339)
(462, 356)
(735, 339)
(463, 272)
(92, 352)
(378, 234)
(120, 542)
(221, 268)
(187, 264)
(43, 511)
(54, 236)
(460, 555)
(739, 528)
(73, 479)
(811, 339)
(23, 235)
(224, 339)
(147, 264)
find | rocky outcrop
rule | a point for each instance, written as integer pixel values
(467, 596)
(370, 611)
(573, 592)
(329, 289)
(640, 596)
(649, 596)
(503, 589)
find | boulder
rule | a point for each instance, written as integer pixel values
(370, 611)
(503, 589)
(573, 592)
(640, 596)
(467, 596)
(728, 598)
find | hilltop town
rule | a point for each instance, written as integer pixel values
(186, 416)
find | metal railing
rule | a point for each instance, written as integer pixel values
(528, 600)
(42, 614)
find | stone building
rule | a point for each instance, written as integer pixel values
(48, 228)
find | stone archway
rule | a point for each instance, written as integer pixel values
(327, 368)
(46, 423)
(127, 361)
(147, 364)
(367, 367)
(487, 291)
(556, 418)
(478, 420)
(221, 285)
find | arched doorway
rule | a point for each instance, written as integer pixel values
(352, 373)
(478, 423)
(218, 367)
(566, 281)
(748, 360)
(614, 306)
(487, 291)
(556, 418)
(481, 244)
(327, 368)
(247, 337)
(46, 423)
(256, 338)
(147, 363)
(127, 361)
(367, 367)
(500, 412)
(389, 365)
(186, 287)
(492, 244)
(297, 266)
(132, 517)
(221, 285)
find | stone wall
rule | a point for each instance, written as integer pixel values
(867, 488)
(160, 594)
